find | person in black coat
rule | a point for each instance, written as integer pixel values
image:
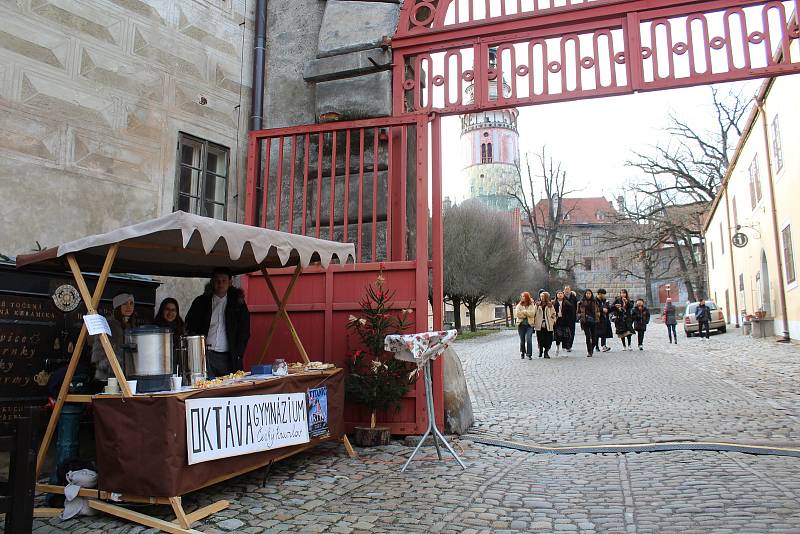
(623, 322)
(221, 315)
(641, 316)
(589, 317)
(604, 326)
(570, 295)
(565, 323)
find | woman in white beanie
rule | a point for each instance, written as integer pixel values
(123, 318)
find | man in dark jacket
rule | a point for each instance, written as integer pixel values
(222, 316)
(703, 316)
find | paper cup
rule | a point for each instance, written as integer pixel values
(177, 382)
(132, 385)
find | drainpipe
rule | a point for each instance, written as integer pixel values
(778, 253)
(730, 253)
(259, 54)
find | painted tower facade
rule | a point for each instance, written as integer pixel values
(490, 151)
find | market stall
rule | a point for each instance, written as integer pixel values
(156, 447)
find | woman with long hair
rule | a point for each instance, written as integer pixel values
(670, 319)
(565, 322)
(589, 317)
(544, 323)
(623, 320)
(169, 316)
(525, 312)
(122, 318)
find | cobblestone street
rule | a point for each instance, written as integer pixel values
(728, 389)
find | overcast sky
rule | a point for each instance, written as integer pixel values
(593, 138)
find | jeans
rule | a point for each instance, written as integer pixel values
(591, 337)
(218, 363)
(673, 336)
(525, 339)
(640, 337)
(626, 341)
(703, 325)
(544, 339)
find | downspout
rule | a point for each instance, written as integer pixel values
(730, 253)
(778, 253)
(259, 55)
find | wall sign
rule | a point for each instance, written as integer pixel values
(221, 427)
(66, 298)
(739, 240)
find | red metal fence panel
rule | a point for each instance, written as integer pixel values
(365, 182)
(585, 49)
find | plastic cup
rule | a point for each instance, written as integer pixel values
(177, 382)
(132, 385)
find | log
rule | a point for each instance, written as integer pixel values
(371, 437)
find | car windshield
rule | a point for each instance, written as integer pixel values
(691, 308)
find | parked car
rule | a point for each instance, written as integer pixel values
(717, 321)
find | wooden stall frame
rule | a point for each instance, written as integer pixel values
(97, 499)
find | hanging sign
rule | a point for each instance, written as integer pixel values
(739, 240)
(96, 324)
(221, 427)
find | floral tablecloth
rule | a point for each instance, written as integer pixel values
(419, 348)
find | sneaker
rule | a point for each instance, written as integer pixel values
(530, 357)
(569, 350)
(522, 355)
(589, 355)
(606, 349)
(641, 347)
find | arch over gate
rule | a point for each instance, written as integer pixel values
(572, 49)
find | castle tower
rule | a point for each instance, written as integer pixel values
(490, 145)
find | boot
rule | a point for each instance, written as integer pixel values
(546, 355)
(522, 355)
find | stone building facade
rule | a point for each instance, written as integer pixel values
(116, 111)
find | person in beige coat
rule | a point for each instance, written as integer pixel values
(544, 323)
(525, 313)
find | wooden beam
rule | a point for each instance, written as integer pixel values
(92, 303)
(142, 519)
(348, 447)
(103, 337)
(84, 399)
(283, 315)
(47, 512)
(180, 515)
(202, 513)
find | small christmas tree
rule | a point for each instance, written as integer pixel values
(377, 380)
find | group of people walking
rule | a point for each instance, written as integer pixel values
(554, 321)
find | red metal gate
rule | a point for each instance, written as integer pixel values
(364, 182)
(557, 50)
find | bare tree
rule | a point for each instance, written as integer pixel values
(526, 276)
(681, 177)
(481, 251)
(546, 243)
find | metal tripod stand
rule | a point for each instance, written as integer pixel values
(432, 428)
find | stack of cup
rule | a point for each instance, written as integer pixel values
(113, 386)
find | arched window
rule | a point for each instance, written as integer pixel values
(486, 152)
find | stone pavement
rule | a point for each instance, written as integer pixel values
(730, 388)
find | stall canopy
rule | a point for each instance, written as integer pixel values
(187, 245)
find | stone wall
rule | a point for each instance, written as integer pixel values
(92, 97)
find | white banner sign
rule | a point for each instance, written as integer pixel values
(230, 426)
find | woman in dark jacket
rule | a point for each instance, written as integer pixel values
(641, 316)
(621, 316)
(169, 316)
(589, 317)
(604, 326)
(565, 322)
(670, 319)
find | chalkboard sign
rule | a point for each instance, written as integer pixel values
(40, 320)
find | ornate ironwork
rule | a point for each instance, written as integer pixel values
(603, 50)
